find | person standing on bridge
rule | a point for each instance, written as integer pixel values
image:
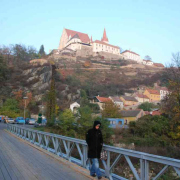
(94, 140)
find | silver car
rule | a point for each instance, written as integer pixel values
(31, 121)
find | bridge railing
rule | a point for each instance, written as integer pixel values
(75, 150)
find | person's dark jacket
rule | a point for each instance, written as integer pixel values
(95, 141)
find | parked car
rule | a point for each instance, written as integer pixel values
(31, 121)
(20, 120)
(1, 118)
(26, 120)
(9, 120)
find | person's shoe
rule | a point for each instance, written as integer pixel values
(93, 175)
(100, 177)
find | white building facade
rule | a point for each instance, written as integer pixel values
(76, 40)
(163, 92)
(132, 56)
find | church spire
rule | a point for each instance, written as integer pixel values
(104, 39)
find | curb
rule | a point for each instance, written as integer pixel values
(73, 166)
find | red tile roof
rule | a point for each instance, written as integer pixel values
(158, 65)
(157, 113)
(103, 99)
(100, 42)
(142, 96)
(147, 112)
(153, 91)
(84, 37)
(164, 88)
(130, 52)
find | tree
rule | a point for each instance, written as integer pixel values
(41, 50)
(84, 100)
(171, 103)
(3, 71)
(11, 108)
(111, 110)
(85, 120)
(152, 129)
(51, 100)
(146, 106)
(67, 123)
(15, 54)
(147, 58)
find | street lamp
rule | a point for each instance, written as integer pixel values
(25, 106)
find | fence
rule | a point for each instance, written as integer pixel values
(63, 146)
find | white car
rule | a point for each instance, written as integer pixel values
(31, 121)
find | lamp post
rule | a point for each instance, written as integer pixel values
(25, 106)
(42, 107)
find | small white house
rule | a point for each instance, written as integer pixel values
(116, 100)
(147, 62)
(163, 92)
(74, 106)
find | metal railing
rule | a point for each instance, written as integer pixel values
(63, 146)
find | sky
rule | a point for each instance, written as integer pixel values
(147, 27)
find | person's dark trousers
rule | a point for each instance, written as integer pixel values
(94, 169)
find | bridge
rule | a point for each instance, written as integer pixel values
(21, 160)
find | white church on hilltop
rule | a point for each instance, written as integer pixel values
(79, 44)
(77, 41)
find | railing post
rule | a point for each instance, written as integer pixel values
(56, 145)
(144, 165)
(146, 170)
(107, 168)
(84, 155)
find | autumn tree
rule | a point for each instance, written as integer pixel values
(3, 71)
(111, 110)
(10, 108)
(171, 103)
(87, 64)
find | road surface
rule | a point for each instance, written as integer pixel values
(20, 161)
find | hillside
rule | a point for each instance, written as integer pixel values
(102, 78)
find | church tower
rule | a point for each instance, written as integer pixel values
(105, 39)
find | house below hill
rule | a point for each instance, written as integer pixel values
(141, 98)
(100, 101)
(129, 100)
(152, 94)
(116, 100)
(132, 115)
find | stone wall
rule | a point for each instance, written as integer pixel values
(85, 51)
(109, 56)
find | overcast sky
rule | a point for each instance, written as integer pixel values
(147, 27)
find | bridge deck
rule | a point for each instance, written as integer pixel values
(19, 161)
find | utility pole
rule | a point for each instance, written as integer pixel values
(25, 106)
